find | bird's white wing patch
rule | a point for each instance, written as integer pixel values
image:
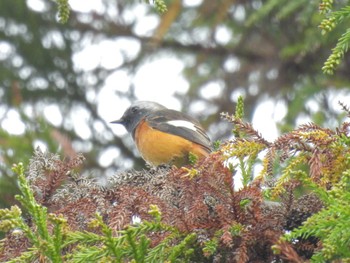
(182, 123)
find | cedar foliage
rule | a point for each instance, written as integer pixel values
(295, 210)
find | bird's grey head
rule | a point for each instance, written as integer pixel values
(136, 112)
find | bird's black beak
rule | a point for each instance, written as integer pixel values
(120, 121)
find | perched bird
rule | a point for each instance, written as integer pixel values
(164, 136)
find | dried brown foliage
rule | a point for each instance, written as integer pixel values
(14, 245)
(204, 203)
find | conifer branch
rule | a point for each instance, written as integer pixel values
(333, 19)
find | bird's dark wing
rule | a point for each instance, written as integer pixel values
(180, 124)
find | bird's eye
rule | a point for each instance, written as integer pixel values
(134, 109)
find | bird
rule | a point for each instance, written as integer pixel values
(164, 136)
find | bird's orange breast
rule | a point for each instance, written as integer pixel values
(157, 147)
